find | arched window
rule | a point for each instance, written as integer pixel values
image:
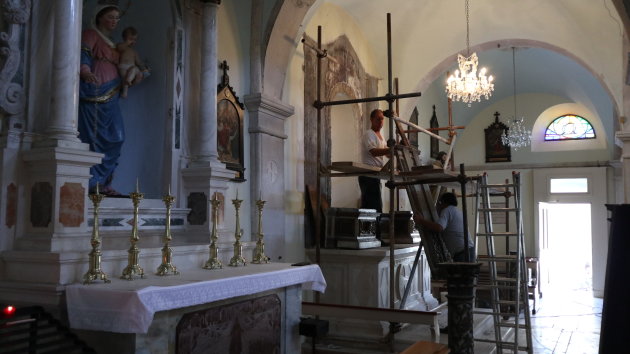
(569, 127)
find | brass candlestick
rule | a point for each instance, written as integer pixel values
(132, 264)
(167, 268)
(238, 247)
(95, 272)
(213, 261)
(259, 251)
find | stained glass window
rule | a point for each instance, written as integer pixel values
(569, 127)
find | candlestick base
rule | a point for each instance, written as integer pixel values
(166, 268)
(213, 264)
(131, 270)
(90, 277)
(95, 272)
(132, 267)
(213, 261)
(259, 253)
(238, 259)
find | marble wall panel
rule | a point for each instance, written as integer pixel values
(41, 204)
(71, 204)
(198, 205)
(12, 200)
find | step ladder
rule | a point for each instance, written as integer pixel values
(507, 283)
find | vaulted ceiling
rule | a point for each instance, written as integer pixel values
(425, 30)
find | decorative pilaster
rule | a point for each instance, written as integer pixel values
(12, 124)
(461, 282)
(624, 137)
(266, 131)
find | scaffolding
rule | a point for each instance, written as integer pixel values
(402, 171)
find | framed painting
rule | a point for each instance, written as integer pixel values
(435, 143)
(496, 151)
(413, 137)
(230, 127)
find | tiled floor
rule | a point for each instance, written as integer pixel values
(567, 322)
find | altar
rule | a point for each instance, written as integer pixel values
(197, 311)
(361, 278)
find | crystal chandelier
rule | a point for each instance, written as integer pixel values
(466, 85)
(517, 135)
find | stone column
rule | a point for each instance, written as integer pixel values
(205, 174)
(255, 47)
(207, 154)
(461, 282)
(62, 126)
(266, 131)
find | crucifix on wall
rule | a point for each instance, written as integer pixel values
(496, 150)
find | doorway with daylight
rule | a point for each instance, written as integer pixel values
(571, 227)
(565, 246)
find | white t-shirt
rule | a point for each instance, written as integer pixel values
(371, 141)
(452, 221)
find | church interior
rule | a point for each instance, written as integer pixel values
(181, 176)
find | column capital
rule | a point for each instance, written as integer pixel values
(267, 114)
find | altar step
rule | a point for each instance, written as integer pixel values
(32, 330)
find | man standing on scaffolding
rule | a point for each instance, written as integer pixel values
(373, 153)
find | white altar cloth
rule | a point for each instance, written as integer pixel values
(125, 306)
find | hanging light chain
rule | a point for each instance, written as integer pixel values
(517, 135)
(514, 77)
(467, 28)
(466, 84)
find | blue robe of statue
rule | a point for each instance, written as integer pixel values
(100, 121)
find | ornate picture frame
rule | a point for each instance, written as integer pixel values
(435, 143)
(496, 151)
(413, 137)
(230, 126)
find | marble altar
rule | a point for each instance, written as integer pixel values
(141, 316)
(361, 278)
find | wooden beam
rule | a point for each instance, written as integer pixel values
(429, 318)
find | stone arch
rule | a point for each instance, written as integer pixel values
(439, 69)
